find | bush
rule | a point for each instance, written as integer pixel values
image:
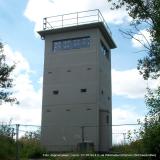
(30, 146)
(7, 143)
(151, 139)
(7, 148)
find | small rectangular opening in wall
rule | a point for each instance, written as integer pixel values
(102, 92)
(107, 119)
(89, 68)
(68, 70)
(55, 92)
(83, 90)
(48, 110)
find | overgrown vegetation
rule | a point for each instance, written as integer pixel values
(29, 145)
(145, 14)
(7, 148)
(7, 144)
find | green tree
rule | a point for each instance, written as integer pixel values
(151, 134)
(6, 82)
(152, 100)
(144, 13)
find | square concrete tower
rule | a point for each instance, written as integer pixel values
(77, 99)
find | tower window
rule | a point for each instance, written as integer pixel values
(55, 92)
(72, 43)
(104, 50)
(83, 90)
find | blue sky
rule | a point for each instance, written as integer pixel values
(19, 21)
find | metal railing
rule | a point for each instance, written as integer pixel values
(74, 19)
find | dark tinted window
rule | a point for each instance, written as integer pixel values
(73, 43)
(104, 50)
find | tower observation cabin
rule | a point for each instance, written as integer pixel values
(77, 99)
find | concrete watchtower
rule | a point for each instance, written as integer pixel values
(77, 107)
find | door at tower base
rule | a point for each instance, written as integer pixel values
(105, 131)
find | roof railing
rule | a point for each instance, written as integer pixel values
(74, 19)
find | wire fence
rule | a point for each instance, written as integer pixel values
(120, 132)
(27, 132)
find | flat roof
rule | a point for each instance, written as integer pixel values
(99, 25)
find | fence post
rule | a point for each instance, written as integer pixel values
(62, 21)
(124, 137)
(44, 23)
(77, 18)
(98, 16)
(17, 145)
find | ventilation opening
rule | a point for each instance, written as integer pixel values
(83, 90)
(48, 110)
(55, 92)
(68, 70)
(102, 92)
(49, 72)
(89, 68)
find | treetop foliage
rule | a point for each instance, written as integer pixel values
(6, 82)
(146, 12)
(153, 101)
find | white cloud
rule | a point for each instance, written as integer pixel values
(143, 36)
(29, 110)
(36, 10)
(116, 16)
(124, 115)
(17, 58)
(129, 83)
(20, 115)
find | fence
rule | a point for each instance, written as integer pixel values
(119, 131)
(17, 131)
